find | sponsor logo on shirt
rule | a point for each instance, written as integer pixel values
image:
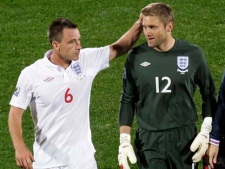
(76, 68)
(145, 64)
(182, 63)
(16, 91)
(48, 79)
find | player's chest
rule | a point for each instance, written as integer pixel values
(164, 68)
(60, 85)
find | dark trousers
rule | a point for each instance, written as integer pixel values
(168, 149)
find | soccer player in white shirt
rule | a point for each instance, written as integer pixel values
(57, 88)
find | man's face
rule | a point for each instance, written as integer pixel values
(69, 47)
(155, 31)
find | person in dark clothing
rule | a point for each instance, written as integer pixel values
(160, 79)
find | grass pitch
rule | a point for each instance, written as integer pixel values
(23, 40)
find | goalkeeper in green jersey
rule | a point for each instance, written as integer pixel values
(160, 79)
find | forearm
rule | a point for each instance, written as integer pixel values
(218, 121)
(126, 111)
(206, 84)
(208, 98)
(15, 128)
(216, 127)
(209, 105)
(130, 37)
(125, 43)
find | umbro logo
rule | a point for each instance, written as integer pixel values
(48, 79)
(145, 64)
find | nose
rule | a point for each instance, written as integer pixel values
(78, 45)
(148, 32)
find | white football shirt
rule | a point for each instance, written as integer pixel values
(59, 100)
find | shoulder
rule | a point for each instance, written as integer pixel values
(185, 45)
(138, 50)
(33, 68)
(89, 51)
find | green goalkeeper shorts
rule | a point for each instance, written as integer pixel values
(168, 149)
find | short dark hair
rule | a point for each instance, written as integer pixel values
(161, 10)
(56, 28)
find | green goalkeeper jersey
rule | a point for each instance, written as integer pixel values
(159, 87)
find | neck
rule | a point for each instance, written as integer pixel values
(55, 59)
(166, 45)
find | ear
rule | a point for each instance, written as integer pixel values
(55, 45)
(169, 27)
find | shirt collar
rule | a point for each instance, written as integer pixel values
(47, 61)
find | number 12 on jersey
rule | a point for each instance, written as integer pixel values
(166, 88)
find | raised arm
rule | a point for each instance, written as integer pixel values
(124, 44)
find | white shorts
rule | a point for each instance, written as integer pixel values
(90, 165)
(62, 167)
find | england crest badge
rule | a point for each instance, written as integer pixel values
(182, 63)
(76, 67)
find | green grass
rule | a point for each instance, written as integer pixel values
(23, 40)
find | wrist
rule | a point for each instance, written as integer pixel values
(206, 126)
(125, 138)
(214, 142)
(19, 146)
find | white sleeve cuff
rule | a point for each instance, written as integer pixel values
(214, 142)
